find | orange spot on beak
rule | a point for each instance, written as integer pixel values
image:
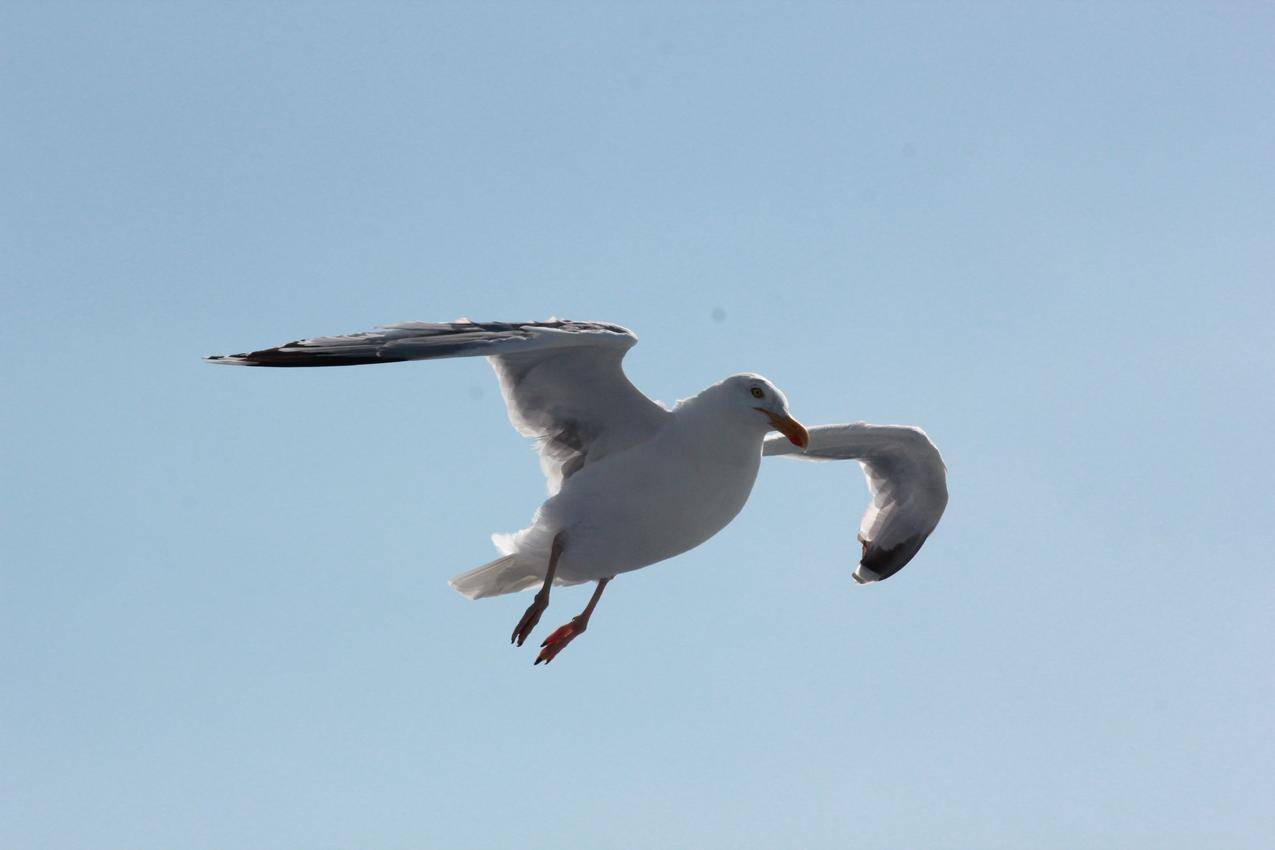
(789, 427)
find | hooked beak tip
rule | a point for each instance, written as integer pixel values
(790, 428)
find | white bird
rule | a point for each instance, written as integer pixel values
(632, 483)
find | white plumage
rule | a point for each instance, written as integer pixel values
(630, 482)
(906, 477)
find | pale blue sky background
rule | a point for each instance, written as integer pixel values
(1042, 232)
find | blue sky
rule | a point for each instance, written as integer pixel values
(1041, 232)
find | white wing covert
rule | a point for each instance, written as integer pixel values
(562, 380)
(907, 479)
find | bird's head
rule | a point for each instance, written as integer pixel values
(763, 401)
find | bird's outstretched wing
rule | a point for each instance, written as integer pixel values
(908, 482)
(563, 381)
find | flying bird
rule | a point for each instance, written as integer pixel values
(632, 482)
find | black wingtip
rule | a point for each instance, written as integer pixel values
(284, 357)
(883, 563)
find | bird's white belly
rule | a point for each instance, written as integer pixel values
(650, 503)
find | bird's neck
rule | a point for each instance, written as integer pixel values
(708, 418)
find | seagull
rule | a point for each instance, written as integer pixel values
(632, 482)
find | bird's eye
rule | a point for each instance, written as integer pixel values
(757, 393)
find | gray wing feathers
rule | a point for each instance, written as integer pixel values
(579, 405)
(430, 340)
(907, 479)
(562, 380)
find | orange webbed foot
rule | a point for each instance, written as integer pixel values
(558, 640)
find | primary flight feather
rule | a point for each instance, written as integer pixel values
(630, 482)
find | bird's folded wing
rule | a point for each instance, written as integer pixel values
(562, 380)
(906, 476)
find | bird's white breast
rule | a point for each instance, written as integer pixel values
(654, 501)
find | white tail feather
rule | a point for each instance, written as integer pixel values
(503, 575)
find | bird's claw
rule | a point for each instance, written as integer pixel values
(529, 620)
(558, 639)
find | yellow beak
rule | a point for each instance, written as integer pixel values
(789, 427)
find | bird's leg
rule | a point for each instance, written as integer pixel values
(541, 602)
(563, 635)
